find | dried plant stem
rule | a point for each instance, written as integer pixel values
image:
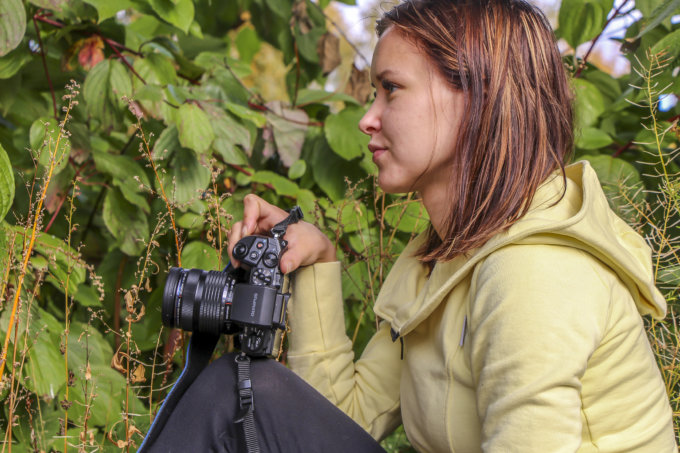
(67, 308)
(147, 152)
(655, 129)
(153, 372)
(28, 251)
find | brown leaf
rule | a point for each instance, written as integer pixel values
(132, 430)
(117, 362)
(88, 372)
(328, 49)
(138, 374)
(359, 85)
(91, 52)
(301, 17)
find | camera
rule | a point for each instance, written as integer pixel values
(247, 301)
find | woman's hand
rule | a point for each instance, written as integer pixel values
(306, 243)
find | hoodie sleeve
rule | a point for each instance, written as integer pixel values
(321, 353)
(537, 314)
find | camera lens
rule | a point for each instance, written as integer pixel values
(192, 300)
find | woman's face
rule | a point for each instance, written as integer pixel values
(414, 120)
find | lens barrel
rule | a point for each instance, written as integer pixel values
(192, 300)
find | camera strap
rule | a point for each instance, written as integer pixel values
(246, 403)
(294, 215)
(198, 356)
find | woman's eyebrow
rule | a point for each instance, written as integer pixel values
(386, 73)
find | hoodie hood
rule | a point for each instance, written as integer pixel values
(581, 219)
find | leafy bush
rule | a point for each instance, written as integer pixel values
(129, 139)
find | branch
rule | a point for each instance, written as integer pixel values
(594, 41)
(37, 17)
(122, 58)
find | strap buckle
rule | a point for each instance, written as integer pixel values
(246, 397)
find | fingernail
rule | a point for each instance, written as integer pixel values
(245, 230)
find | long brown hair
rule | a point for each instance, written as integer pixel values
(518, 125)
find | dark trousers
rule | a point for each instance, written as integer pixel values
(290, 415)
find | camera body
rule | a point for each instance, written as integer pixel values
(246, 301)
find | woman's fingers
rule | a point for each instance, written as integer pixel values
(234, 237)
(306, 243)
(259, 216)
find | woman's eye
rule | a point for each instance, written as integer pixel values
(388, 86)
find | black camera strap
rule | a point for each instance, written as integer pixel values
(294, 215)
(245, 389)
(246, 403)
(198, 356)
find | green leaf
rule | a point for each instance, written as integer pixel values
(156, 69)
(185, 178)
(409, 216)
(45, 138)
(104, 85)
(229, 134)
(307, 43)
(166, 144)
(11, 63)
(62, 263)
(45, 368)
(592, 138)
(199, 255)
(120, 83)
(619, 178)
(87, 296)
(281, 8)
(108, 8)
(289, 127)
(307, 96)
(120, 167)
(661, 13)
(56, 5)
(297, 169)
(329, 169)
(245, 113)
(12, 25)
(352, 215)
(281, 185)
(581, 20)
(195, 130)
(179, 13)
(588, 104)
(6, 183)
(670, 44)
(247, 43)
(343, 135)
(127, 223)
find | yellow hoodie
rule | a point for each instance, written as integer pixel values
(532, 343)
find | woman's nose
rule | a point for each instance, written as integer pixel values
(370, 122)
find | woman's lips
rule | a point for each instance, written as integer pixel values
(377, 151)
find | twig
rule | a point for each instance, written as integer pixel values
(122, 58)
(623, 148)
(594, 41)
(37, 17)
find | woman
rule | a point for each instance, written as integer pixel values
(513, 324)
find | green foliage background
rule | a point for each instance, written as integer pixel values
(128, 141)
